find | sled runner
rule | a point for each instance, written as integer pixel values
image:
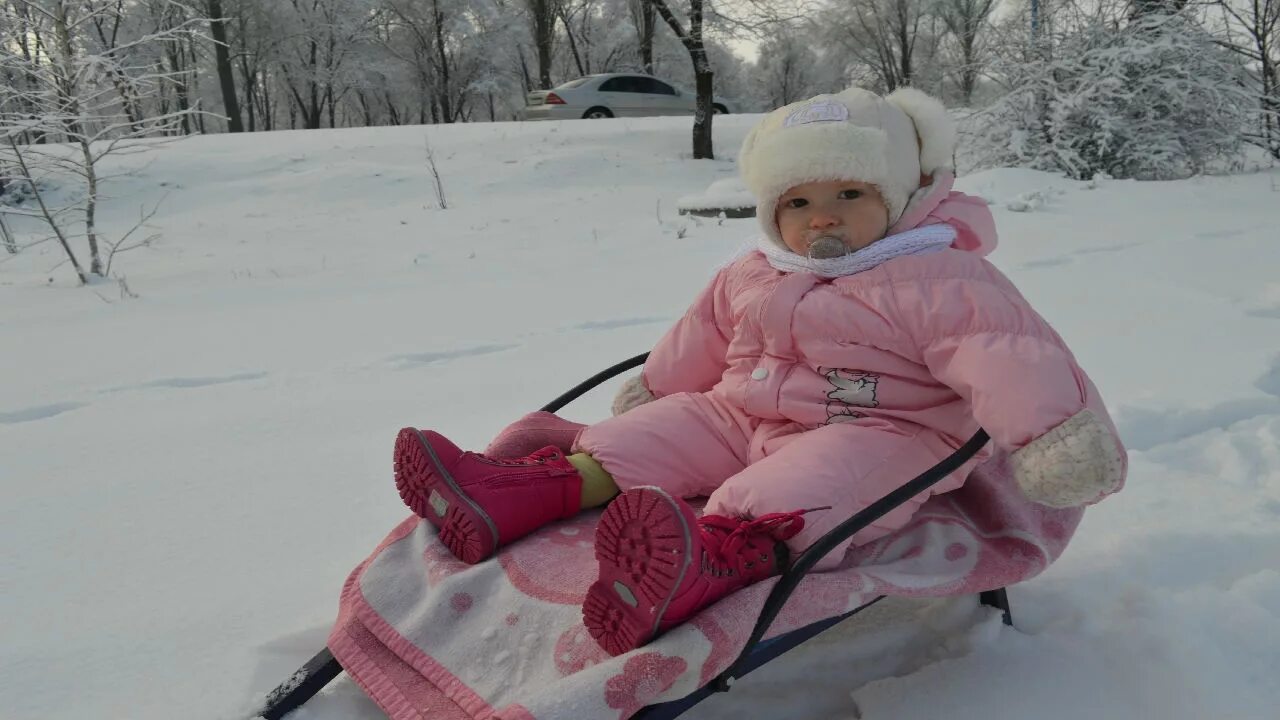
(396, 641)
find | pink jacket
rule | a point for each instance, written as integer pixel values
(942, 340)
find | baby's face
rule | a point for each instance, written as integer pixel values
(850, 212)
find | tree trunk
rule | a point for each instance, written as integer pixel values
(179, 86)
(222, 59)
(524, 70)
(268, 111)
(446, 109)
(391, 108)
(69, 101)
(573, 44)
(704, 112)
(702, 74)
(648, 24)
(44, 210)
(118, 79)
(544, 27)
(250, 92)
(91, 209)
(193, 58)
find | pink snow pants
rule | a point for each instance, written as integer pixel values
(698, 445)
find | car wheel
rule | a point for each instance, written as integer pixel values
(719, 109)
(597, 113)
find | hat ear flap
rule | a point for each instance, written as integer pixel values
(934, 127)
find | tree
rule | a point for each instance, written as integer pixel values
(966, 21)
(642, 16)
(1155, 99)
(320, 37)
(884, 36)
(692, 40)
(788, 69)
(226, 74)
(542, 19)
(71, 95)
(1251, 30)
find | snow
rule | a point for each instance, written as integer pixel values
(726, 193)
(189, 476)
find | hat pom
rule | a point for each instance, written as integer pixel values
(934, 127)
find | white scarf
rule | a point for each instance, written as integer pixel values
(918, 241)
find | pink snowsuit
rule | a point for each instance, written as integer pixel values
(781, 391)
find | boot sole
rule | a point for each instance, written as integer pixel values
(644, 547)
(429, 490)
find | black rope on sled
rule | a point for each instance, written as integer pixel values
(581, 388)
(791, 578)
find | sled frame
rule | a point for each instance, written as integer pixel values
(321, 669)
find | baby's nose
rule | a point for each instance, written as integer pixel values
(821, 221)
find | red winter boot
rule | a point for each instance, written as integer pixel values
(480, 503)
(660, 565)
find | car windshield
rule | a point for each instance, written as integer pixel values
(572, 83)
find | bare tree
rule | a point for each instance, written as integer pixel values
(322, 38)
(692, 39)
(226, 74)
(883, 36)
(71, 97)
(1251, 30)
(46, 212)
(642, 15)
(788, 68)
(542, 20)
(966, 22)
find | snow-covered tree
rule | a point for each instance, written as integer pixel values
(887, 44)
(787, 69)
(318, 40)
(1251, 30)
(967, 23)
(91, 85)
(1156, 98)
(791, 66)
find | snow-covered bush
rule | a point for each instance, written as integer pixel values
(1153, 99)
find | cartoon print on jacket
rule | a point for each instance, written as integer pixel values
(853, 388)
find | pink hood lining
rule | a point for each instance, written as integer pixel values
(937, 203)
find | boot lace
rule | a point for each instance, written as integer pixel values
(740, 549)
(537, 457)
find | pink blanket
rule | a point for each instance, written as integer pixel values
(427, 636)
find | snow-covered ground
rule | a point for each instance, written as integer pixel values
(189, 476)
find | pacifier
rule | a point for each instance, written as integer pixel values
(827, 247)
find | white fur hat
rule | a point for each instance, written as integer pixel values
(853, 135)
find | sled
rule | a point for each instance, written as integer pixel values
(317, 672)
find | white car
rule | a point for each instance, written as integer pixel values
(596, 97)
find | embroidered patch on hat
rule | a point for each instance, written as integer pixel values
(821, 111)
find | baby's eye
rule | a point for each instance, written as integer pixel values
(850, 194)
(797, 203)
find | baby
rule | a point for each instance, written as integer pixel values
(863, 341)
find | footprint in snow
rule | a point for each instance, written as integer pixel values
(1047, 262)
(1269, 383)
(38, 413)
(191, 382)
(619, 323)
(412, 360)
(1145, 428)
(1106, 248)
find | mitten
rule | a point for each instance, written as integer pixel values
(632, 394)
(1076, 463)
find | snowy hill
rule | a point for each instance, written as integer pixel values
(189, 476)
